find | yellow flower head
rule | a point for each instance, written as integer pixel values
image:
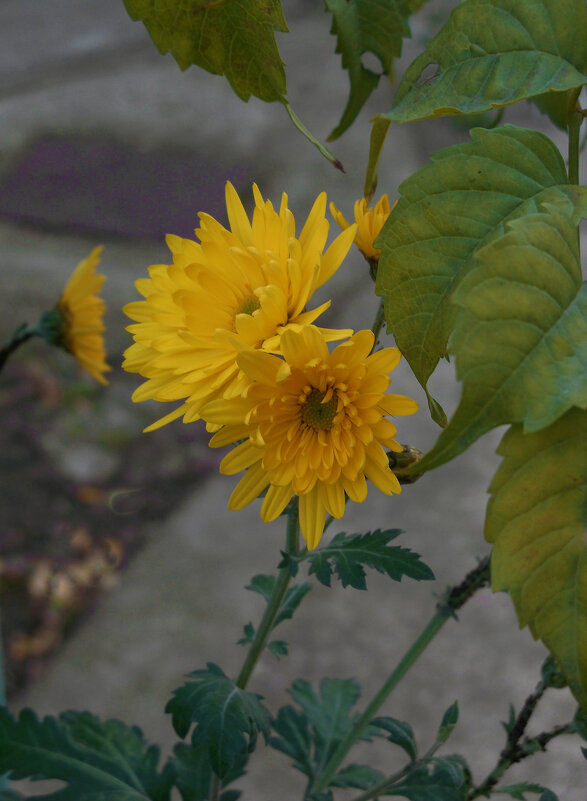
(234, 289)
(314, 425)
(369, 221)
(76, 323)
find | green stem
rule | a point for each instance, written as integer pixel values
(379, 789)
(3, 779)
(378, 321)
(311, 138)
(21, 335)
(454, 598)
(274, 604)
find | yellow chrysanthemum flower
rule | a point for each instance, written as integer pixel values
(76, 323)
(314, 425)
(369, 221)
(234, 289)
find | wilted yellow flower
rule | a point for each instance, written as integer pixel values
(234, 289)
(314, 425)
(76, 322)
(369, 221)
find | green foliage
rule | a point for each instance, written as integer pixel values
(234, 38)
(194, 771)
(399, 733)
(518, 791)
(366, 26)
(520, 336)
(95, 759)
(347, 554)
(492, 53)
(264, 585)
(360, 776)
(10, 795)
(446, 212)
(536, 522)
(443, 779)
(311, 737)
(449, 721)
(227, 718)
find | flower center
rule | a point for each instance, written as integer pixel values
(315, 413)
(249, 305)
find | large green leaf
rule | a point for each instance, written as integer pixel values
(95, 759)
(492, 53)
(234, 38)
(194, 771)
(537, 522)
(446, 211)
(227, 718)
(520, 337)
(366, 26)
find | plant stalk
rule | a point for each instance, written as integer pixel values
(20, 336)
(378, 322)
(274, 604)
(454, 598)
(3, 779)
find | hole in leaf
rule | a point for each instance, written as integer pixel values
(429, 73)
(369, 61)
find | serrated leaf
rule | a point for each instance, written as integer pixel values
(438, 779)
(292, 600)
(278, 648)
(194, 771)
(518, 791)
(264, 585)
(248, 634)
(492, 53)
(346, 554)
(225, 37)
(449, 721)
(366, 26)
(399, 733)
(520, 336)
(227, 718)
(360, 776)
(295, 740)
(446, 212)
(328, 713)
(536, 522)
(95, 759)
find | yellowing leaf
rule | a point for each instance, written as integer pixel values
(537, 522)
(447, 211)
(492, 53)
(520, 337)
(226, 37)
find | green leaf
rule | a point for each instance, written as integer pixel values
(449, 721)
(278, 648)
(447, 211)
(536, 522)
(225, 37)
(366, 26)
(264, 585)
(360, 776)
(227, 718)
(194, 771)
(518, 791)
(492, 53)
(95, 759)
(295, 740)
(438, 779)
(346, 554)
(291, 601)
(521, 333)
(399, 733)
(248, 634)
(376, 142)
(328, 713)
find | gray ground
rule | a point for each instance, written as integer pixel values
(68, 68)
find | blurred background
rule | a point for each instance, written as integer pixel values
(120, 568)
